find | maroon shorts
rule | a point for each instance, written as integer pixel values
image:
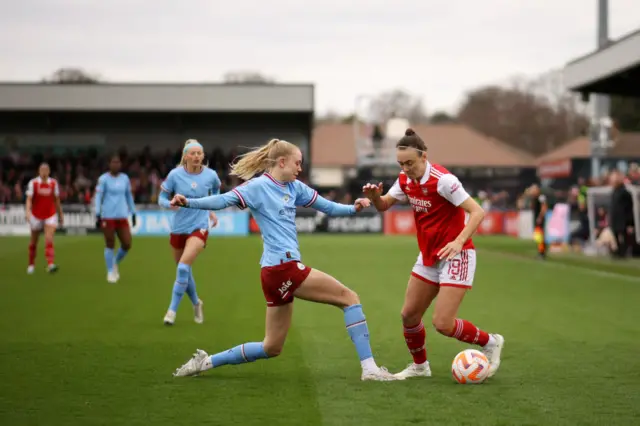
(179, 241)
(279, 282)
(114, 223)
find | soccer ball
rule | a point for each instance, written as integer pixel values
(470, 366)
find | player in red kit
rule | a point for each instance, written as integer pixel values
(447, 261)
(44, 213)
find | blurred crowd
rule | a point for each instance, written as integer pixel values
(77, 172)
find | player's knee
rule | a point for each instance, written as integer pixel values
(350, 297)
(272, 349)
(443, 324)
(183, 272)
(126, 246)
(410, 316)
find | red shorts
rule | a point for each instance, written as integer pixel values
(114, 223)
(279, 282)
(179, 241)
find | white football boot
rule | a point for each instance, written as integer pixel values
(198, 314)
(198, 363)
(116, 272)
(112, 278)
(381, 374)
(415, 370)
(52, 269)
(31, 269)
(493, 351)
(170, 317)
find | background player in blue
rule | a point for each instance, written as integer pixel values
(114, 203)
(189, 228)
(272, 199)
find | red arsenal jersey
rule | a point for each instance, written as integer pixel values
(435, 201)
(43, 197)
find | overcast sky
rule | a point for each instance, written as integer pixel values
(437, 49)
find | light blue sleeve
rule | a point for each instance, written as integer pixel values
(214, 202)
(100, 190)
(129, 195)
(308, 197)
(166, 189)
(249, 193)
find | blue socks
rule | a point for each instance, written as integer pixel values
(248, 352)
(120, 255)
(358, 331)
(191, 289)
(180, 286)
(108, 259)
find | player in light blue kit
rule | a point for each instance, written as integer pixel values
(190, 228)
(272, 199)
(113, 204)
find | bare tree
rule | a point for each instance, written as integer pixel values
(441, 117)
(70, 75)
(247, 77)
(397, 104)
(534, 115)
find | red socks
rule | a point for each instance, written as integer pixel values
(415, 337)
(32, 254)
(468, 333)
(49, 252)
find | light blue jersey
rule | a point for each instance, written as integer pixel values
(191, 185)
(113, 197)
(273, 205)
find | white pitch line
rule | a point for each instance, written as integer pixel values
(558, 265)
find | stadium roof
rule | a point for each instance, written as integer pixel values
(125, 97)
(614, 69)
(627, 145)
(449, 145)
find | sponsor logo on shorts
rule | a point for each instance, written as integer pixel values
(284, 288)
(300, 266)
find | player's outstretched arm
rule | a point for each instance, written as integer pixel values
(212, 202)
(309, 197)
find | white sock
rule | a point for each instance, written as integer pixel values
(369, 364)
(492, 340)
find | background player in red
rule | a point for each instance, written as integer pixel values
(447, 260)
(44, 213)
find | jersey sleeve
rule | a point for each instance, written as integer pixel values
(169, 183)
(450, 188)
(129, 194)
(100, 189)
(248, 194)
(397, 193)
(56, 188)
(305, 195)
(29, 191)
(217, 183)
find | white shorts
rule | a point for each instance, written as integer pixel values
(457, 272)
(38, 224)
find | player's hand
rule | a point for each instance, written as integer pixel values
(61, 221)
(214, 219)
(361, 203)
(179, 200)
(98, 220)
(134, 219)
(372, 191)
(450, 251)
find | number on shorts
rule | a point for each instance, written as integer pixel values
(454, 269)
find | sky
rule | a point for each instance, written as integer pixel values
(435, 49)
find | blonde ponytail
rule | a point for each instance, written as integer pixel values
(261, 159)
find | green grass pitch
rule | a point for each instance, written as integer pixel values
(75, 350)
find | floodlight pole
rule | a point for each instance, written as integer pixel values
(602, 103)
